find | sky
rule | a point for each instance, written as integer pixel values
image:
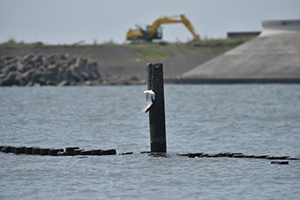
(101, 21)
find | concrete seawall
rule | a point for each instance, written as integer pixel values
(272, 57)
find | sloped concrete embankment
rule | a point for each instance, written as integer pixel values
(272, 57)
(50, 69)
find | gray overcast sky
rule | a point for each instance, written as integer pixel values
(69, 21)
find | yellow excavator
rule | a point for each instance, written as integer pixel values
(155, 31)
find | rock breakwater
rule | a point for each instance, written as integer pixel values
(52, 69)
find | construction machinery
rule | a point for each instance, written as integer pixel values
(155, 31)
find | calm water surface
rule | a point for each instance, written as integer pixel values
(251, 119)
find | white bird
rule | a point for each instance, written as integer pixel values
(150, 98)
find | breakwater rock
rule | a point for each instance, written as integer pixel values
(53, 69)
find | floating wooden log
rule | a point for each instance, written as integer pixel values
(44, 151)
(28, 150)
(54, 152)
(19, 150)
(7, 149)
(70, 150)
(36, 151)
(97, 152)
(86, 152)
(126, 153)
(109, 152)
(280, 162)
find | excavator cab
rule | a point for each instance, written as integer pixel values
(141, 34)
(158, 33)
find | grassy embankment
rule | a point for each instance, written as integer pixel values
(142, 50)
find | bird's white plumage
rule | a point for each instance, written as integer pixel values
(150, 98)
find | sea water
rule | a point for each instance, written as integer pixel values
(257, 119)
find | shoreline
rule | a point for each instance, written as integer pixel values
(127, 64)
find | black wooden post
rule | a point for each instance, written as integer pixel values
(157, 110)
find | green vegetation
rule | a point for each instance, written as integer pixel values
(13, 43)
(141, 51)
(145, 47)
(207, 46)
(149, 51)
(220, 42)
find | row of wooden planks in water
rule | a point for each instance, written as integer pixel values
(68, 151)
(75, 151)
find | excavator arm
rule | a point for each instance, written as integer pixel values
(172, 19)
(188, 24)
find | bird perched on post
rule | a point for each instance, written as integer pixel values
(150, 98)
